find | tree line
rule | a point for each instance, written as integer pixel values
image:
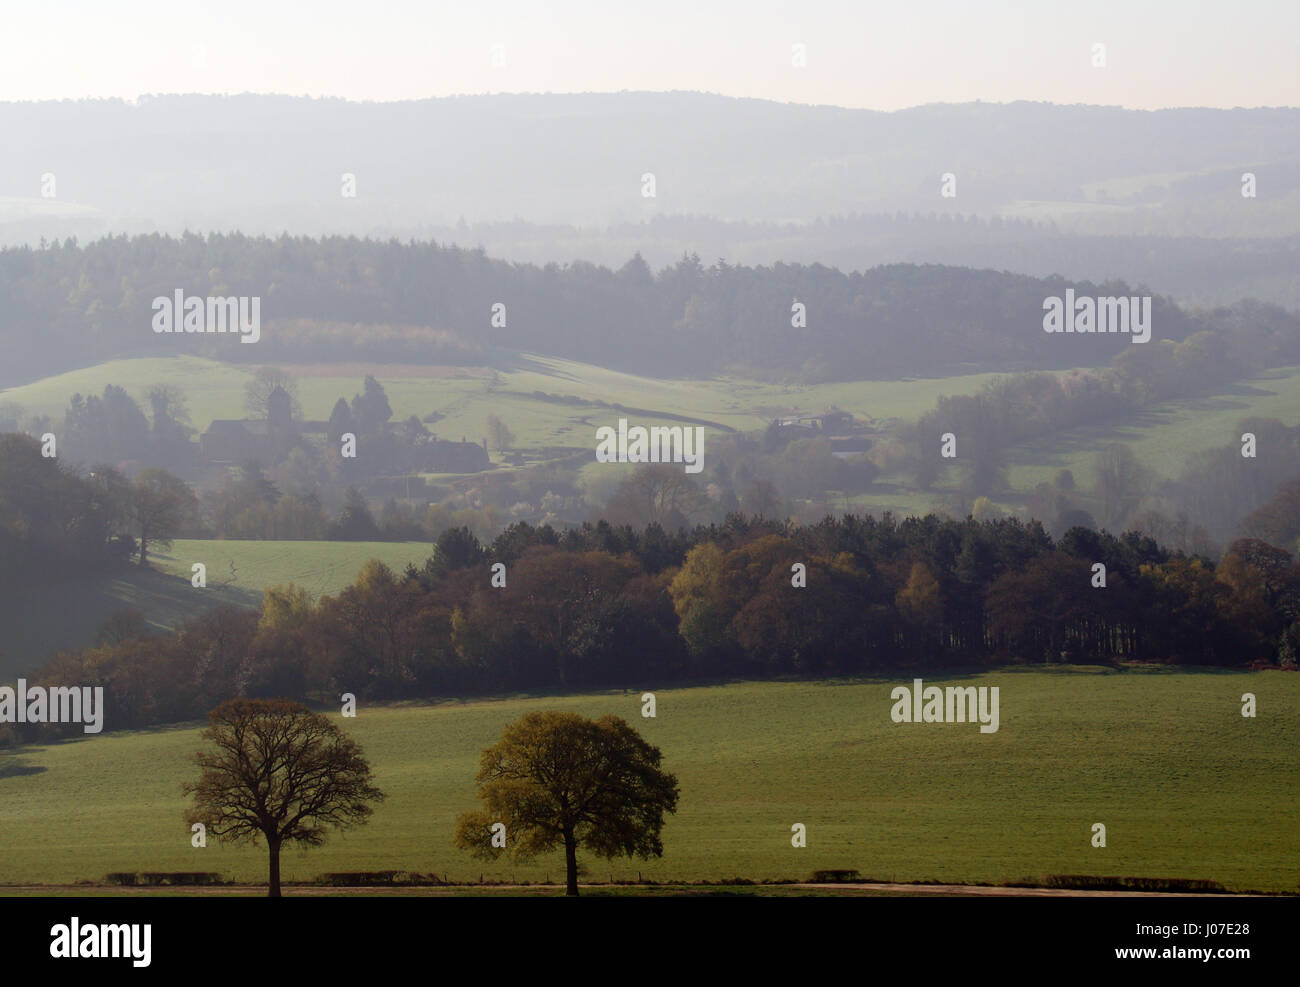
(606, 606)
(341, 298)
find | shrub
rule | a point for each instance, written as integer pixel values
(1089, 882)
(835, 877)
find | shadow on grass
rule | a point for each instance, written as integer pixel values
(44, 616)
(13, 762)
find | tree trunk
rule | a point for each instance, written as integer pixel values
(571, 863)
(144, 547)
(274, 890)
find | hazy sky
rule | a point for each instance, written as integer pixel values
(859, 53)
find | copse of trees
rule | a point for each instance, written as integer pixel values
(1011, 410)
(52, 518)
(606, 606)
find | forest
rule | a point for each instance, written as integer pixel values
(341, 298)
(606, 606)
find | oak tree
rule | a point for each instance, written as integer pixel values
(280, 772)
(561, 779)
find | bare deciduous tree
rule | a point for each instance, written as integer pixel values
(279, 772)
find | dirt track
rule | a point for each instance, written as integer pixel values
(975, 891)
(530, 890)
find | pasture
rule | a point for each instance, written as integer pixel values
(1185, 785)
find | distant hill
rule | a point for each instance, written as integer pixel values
(267, 163)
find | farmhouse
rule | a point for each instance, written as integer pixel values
(231, 441)
(847, 435)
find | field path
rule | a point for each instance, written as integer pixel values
(652, 890)
(978, 891)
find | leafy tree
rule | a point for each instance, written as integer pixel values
(342, 421)
(455, 548)
(111, 494)
(1273, 565)
(355, 522)
(701, 599)
(371, 408)
(170, 417)
(568, 601)
(920, 604)
(280, 662)
(1122, 481)
(124, 625)
(159, 503)
(660, 493)
(257, 392)
(279, 772)
(1278, 520)
(373, 631)
(557, 778)
(498, 434)
(111, 427)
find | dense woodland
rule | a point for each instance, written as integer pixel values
(338, 299)
(606, 606)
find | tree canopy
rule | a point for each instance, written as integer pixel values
(561, 779)
(279, 772)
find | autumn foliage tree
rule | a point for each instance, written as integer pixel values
(279, 772)
(561, 779)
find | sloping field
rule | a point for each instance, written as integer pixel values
(39, 619)
(465, 396)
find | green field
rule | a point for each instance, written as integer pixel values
(1185, 785)
(38, 619)
(1164, 438)
(465, 396)
(320, 567)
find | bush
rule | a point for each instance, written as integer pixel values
(835, 877)
(373, 878)
(1089, 882)
(180, 878)
(154, 879)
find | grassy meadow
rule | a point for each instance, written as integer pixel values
(465, 396)
(1163, 436)
(1185, 785)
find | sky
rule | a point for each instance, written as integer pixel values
(857, 53)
